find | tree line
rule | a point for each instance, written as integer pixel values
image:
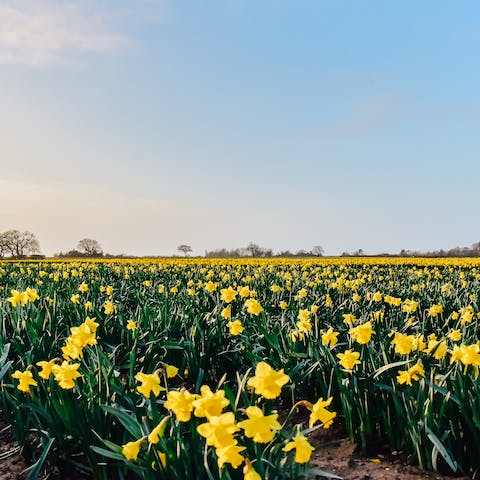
(17, 244)
(256, 251)
(472, 251)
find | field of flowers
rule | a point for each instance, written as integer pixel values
(214, 369)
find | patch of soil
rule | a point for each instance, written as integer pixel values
(12, 464)
(335, 454)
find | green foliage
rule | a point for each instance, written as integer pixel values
(179, 322)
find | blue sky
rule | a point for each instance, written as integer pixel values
(147, 124)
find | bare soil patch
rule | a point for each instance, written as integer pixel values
(340, 458)
(335, 454)
(12, 464)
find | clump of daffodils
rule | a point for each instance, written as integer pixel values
(21, 298)
(65, 373)
(228, 436)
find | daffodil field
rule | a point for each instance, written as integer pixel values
(215, 369)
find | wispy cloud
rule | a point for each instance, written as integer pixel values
(44, 32)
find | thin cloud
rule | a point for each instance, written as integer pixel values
(40, 33)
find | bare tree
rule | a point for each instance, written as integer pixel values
(224, 253)
(184, 248)
(257, 251)
(3, 245)
(317, 250)
(18, 244)
(90, 247)
(285, 253)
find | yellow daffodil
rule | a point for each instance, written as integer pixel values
(150, 383)
(66, 374)
(404, 344)
(209, 404)
(235, 327)
(131, 325)
(170, 370)
(219, 430)
(455, 335)
(253, 306)
(413, 373)
(155, 435)
(131, 449)
(25, 380)
(261, 428)
(249, 473)
(349, 359)
(226, 313)
(181, 404)
(108, 307)
(435, 310)
(377, 297)
(303, 449)
(244, 292)
(319, 413)
(18, 298)
(228, 294)
(362, 333)
(230, 454)
(46, 368)
(349, 318)
(268, 382)
(330, 338)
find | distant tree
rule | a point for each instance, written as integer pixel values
(318, 250)
(184, 248)
(90, 247)
(255, 250)
(3, 246)
(70, 254)
(285, 253)
(251, 250)
(18, 244)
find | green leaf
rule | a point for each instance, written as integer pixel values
(127, 420)
(322, 473)
(5, 351)
(389, 366)
(107, 453)
(5, 368)
(438, 445)
(34, 471)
